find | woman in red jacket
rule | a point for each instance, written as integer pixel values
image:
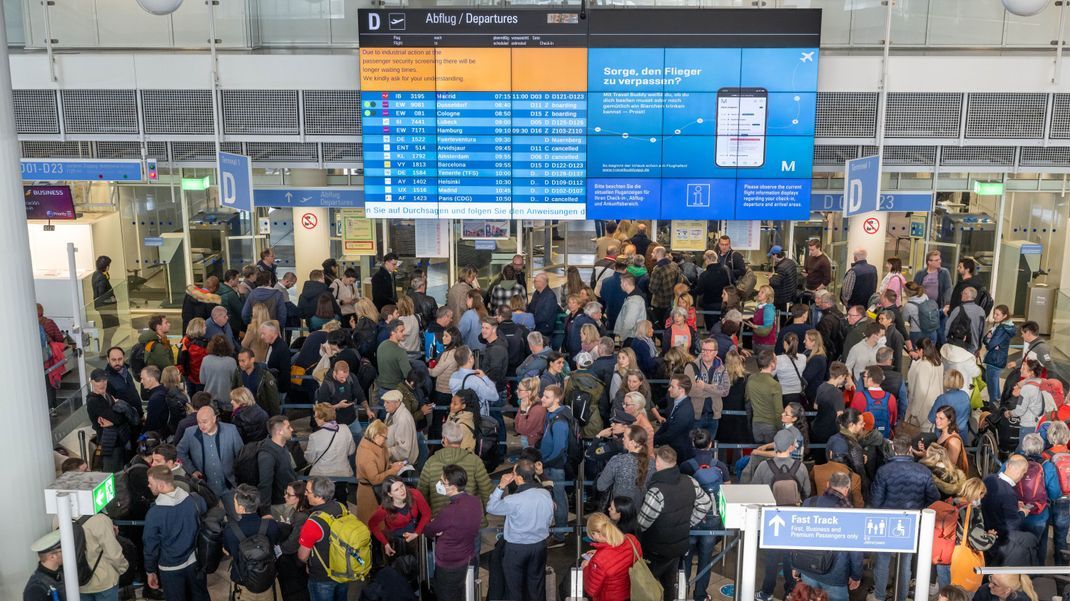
(401, 517)
(605, 569)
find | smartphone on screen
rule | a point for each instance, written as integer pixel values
(741, 121)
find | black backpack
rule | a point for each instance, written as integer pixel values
(813, 562)
(574, 451)
(137, 359)
(485, 431)
(959, 332)
(210, 539)
(516, 340)
(246, 466)
(85, 571)
(126, 498)
(255, 561)
(199, 488)
(985, 301)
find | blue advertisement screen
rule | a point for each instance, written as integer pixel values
(628, 114)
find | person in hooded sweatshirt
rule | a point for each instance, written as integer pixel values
(170, 539)
(997, 343)
(266, 293)
(314, 286)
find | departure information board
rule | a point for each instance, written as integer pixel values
(629, 113)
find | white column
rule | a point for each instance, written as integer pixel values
(859, 236)
(926, 527)
(752, 526)
(26, 448)
(311, 246)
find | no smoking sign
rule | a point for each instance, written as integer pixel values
(871, 225)
(309, 221)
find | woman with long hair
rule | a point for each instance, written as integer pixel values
(407, 315)
(252, 340)
(673, 363)
(626, 473)
(1007, 587)
(400, 518)
(218, 367)
(789, 369)
(471, 322)
(947, 477)
(605, 569)
(894, 280)
(589, 338)
(949, 437)
(324, 312)
(530, 421)
(192, 349)
(979, 538)
(625, 362)
(817, 369)
(625, 514)
(373, 467)
(958, 402)
(574, 283)
(733, 427)
(925, 380)
(634, 381)
(364, 323)
(445, 365)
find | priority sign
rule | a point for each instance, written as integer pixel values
(888, 531)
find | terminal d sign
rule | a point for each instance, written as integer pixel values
(839, 529)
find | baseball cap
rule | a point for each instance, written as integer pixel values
(392, 395)
(783, 441)
(584, 360)
(776, 250)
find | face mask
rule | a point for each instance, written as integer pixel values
(882, 341)
(440, 488)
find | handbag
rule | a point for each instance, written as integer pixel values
(964, 560)
(644, 587)
(977, 386)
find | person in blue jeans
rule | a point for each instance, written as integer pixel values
(1057, 482)
(554, 449)
(845, 568)
(315, 541)
(997, 345)
(710, 473)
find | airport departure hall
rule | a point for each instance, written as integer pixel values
(606, 300)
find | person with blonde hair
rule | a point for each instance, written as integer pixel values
(605, 568)
(764, 322)
(946, 475)
(175, 397)
(407, 315)
(373, 466)
(329, 448)
(980, 538)
(1007, 587)
(252, 341)
(530, 420)
(247, 416)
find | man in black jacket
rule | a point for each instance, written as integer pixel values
(860, 281)
(641, 240)
(830, 322)
(724, 267)
(785, 278)
(673, 503)
(112, 429)
(676, 430)
(604, 363)
(310, 294)
(384, 290)
(543, 306)
(121, 378)
(424, 305)
(515, 336)
(276, 471)
(267, 263)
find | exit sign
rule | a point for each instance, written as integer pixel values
(988, 188)
(103, 493)
(196, 183)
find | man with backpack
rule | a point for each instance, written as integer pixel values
(710, 473)
(334, 544)
(788, 479)
(871, 398)
(170, 540)
(153, 346)
(210, 450)
(560, 446)
(837, 573)
(584, 394)
(965, 269)
(966, 322)
(901, 483)
(674, 503)
(250, 541)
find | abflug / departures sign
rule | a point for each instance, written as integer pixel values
(465, 28)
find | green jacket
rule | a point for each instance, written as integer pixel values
(157, 352)
(266, 393)
(765, 398)
(229, 299)
(478, 481)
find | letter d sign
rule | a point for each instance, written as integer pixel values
(373, 22)
(854, 196)
(228, 189)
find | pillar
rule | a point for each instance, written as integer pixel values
(26, 446)
(311, 244)
(861, 233)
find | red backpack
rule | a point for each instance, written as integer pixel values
(1031, 489)
(944, 535)
(1061, 463)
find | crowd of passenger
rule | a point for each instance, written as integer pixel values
(426, 418)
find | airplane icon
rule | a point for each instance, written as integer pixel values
(807, 57)
(396, 21)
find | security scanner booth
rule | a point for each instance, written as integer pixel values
(1019, 289)
(962, 235)
(209, 236)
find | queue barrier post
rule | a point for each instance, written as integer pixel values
(745, 585)
(925, 552)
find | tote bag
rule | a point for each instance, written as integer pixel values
(644, 586)
(964, 559)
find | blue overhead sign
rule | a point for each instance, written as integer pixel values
(307, 198)
(862, 185)
(235, 181)
(840, 529)
(906, 202)
(94, 170)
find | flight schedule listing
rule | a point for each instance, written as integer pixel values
(538, 114)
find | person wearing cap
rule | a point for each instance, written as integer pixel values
(583, 380)
(46, 582)
(785, 278)
(170, 539)
(384, 290)
(675, 430)
(783, 444)
(401, 436)
(111, 424)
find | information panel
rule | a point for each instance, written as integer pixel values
(538, 114)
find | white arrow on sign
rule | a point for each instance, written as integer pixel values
(777, 523)
(289, 196)
(100, 497)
